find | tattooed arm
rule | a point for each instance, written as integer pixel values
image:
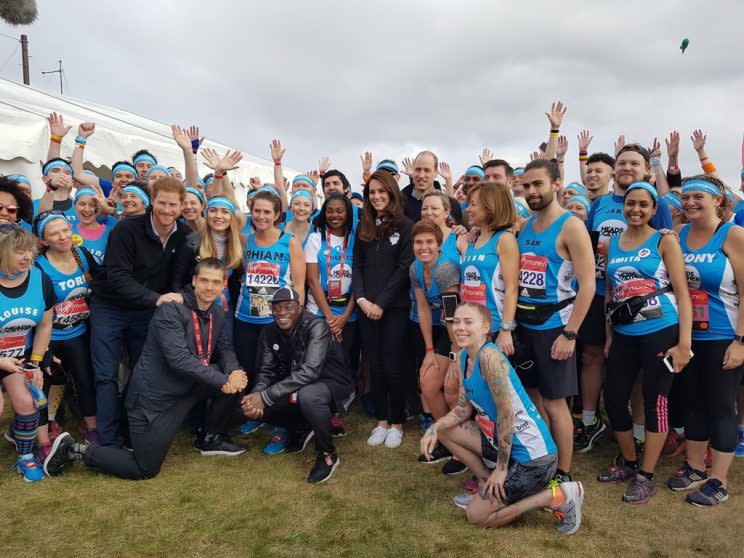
(495, 370)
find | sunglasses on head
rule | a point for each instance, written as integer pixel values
(11, 209)
(44, 214)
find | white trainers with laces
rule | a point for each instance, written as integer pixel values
(394, 438)
(378, 436)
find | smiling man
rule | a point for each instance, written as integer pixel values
(136, 280)
(425, 167)
(301, 380)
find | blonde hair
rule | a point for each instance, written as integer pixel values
(13, 241)
(498, 202)
(233, 244)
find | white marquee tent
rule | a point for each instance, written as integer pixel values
(24, 138)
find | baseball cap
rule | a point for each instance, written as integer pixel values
(285, 294)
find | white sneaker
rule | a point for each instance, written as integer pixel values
(394, 438)
(378, 436)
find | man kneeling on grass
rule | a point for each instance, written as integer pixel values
(301, 380)
(185, 359)
(507, 436)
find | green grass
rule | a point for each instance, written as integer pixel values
(379, 503)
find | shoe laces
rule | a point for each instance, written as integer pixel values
(559, 514)
(276, 438)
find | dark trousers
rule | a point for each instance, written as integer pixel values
(151, 439)
(313, 407)
(245, 341)
(110, 327)
(384, 341)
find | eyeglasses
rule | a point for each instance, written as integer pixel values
(11, 209)
(5, 228)
(44, 214)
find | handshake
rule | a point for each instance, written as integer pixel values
(237, 381)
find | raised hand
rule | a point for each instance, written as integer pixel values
(585, 139)
(444, 171)
(672, 146)
(255, 182)
(536, 155)
(655, 150)
(324, 164)
(562, 148)
(408, 166)
(181, 137)
(230, 161)
(315, 175)
(194, 135)
(57, 125)
(276, 150)
(86, 129)
(366, 161)
(485, 156)
(698, 140)
(620, 143)
(210, 157)
(556, 114)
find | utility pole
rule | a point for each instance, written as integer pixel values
(24, 56)
(57, 71)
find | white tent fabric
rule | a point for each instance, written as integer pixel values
(24, 138)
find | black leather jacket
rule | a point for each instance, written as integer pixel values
(289, 361)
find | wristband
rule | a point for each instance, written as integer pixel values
(80, 140)
(583, 157)
(554, 131)
(55, 139)
(709, 168)
(277, 163)
(553, 134)
(194, 146)
(673, 168)
(429, 349)
(704, 159)
(559, 161)
(36, 358)
(218, 176)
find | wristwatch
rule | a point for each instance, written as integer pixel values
(569, 334)
(739, 339)
(508, 326)
(453, 356)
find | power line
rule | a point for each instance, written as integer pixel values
(9, 37)
(9, 57)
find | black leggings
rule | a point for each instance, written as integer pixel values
(710, 396)
(629, 354)
(384, 342)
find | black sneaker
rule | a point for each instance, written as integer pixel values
(589, 436)
(59, 456)
(439, 454)
(197, 439)
(221, 444)
(454, 467)
(299, 440)
(325, 465)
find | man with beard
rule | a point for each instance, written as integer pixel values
(599, 167)
(605, 220)
(555, 254)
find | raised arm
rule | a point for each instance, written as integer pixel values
(698, 142)
(662, 186)
(85, 130)
(555, 117)
(446, 173)
(183, 141)
(560, 154)
(674, 178)
(277, 154)
(57, 131)
(585, 139)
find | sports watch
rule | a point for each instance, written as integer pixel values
(508, 326)
(569, 334)
(453, 356)
(739, 339)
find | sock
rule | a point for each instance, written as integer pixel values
(558, 497)
(77, 451)
(649, 476)
(631, 464)
(681, 431)
(639, 432)
(24, 432)
(561, 472)
(588, 417)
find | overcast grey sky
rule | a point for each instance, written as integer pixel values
(393, 76)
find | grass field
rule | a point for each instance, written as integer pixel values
(379, 503)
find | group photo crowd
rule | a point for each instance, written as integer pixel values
(518, 313)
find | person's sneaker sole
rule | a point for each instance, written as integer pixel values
(259, 427)
(697, 505)
(11, 440)
(593, 439)
(222, 452)
(580, 495)
(635, 502)
(52, 451)
(438, 460)
(330, 473)
(305, 442)
(692, 486)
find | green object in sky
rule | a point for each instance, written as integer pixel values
(684, 45)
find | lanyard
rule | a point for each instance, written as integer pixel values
(197, 335)
(328, 257)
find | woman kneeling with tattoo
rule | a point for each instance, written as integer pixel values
(508, 446)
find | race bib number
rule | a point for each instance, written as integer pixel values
(700, 310)
(472, 288)
(13, 345)
(486, 425)
(651, 308)
(599, 266)
(70, 312)
(261, 274)
(334, 288)
(532, 270)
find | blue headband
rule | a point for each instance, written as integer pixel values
(197, 193)
(517, 172)
(522, 210)
(170, 169)
(20, 179)
(90, 172)
(388, 166)
(302, 194)
(157, 167)
(221, 201)
(357, 196)
(698, 185)
(643, 186)
(578, 187)
(84, 192)
(201, 182)
(742, 173)
(674, 201)
(730, 195)
(137, 191)
(41, 225)
(579, 199)
(251, 193)
(123, 167)
(55, 164)
(144, 158)
(303, 178)
(476, 171)
(270, 188)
